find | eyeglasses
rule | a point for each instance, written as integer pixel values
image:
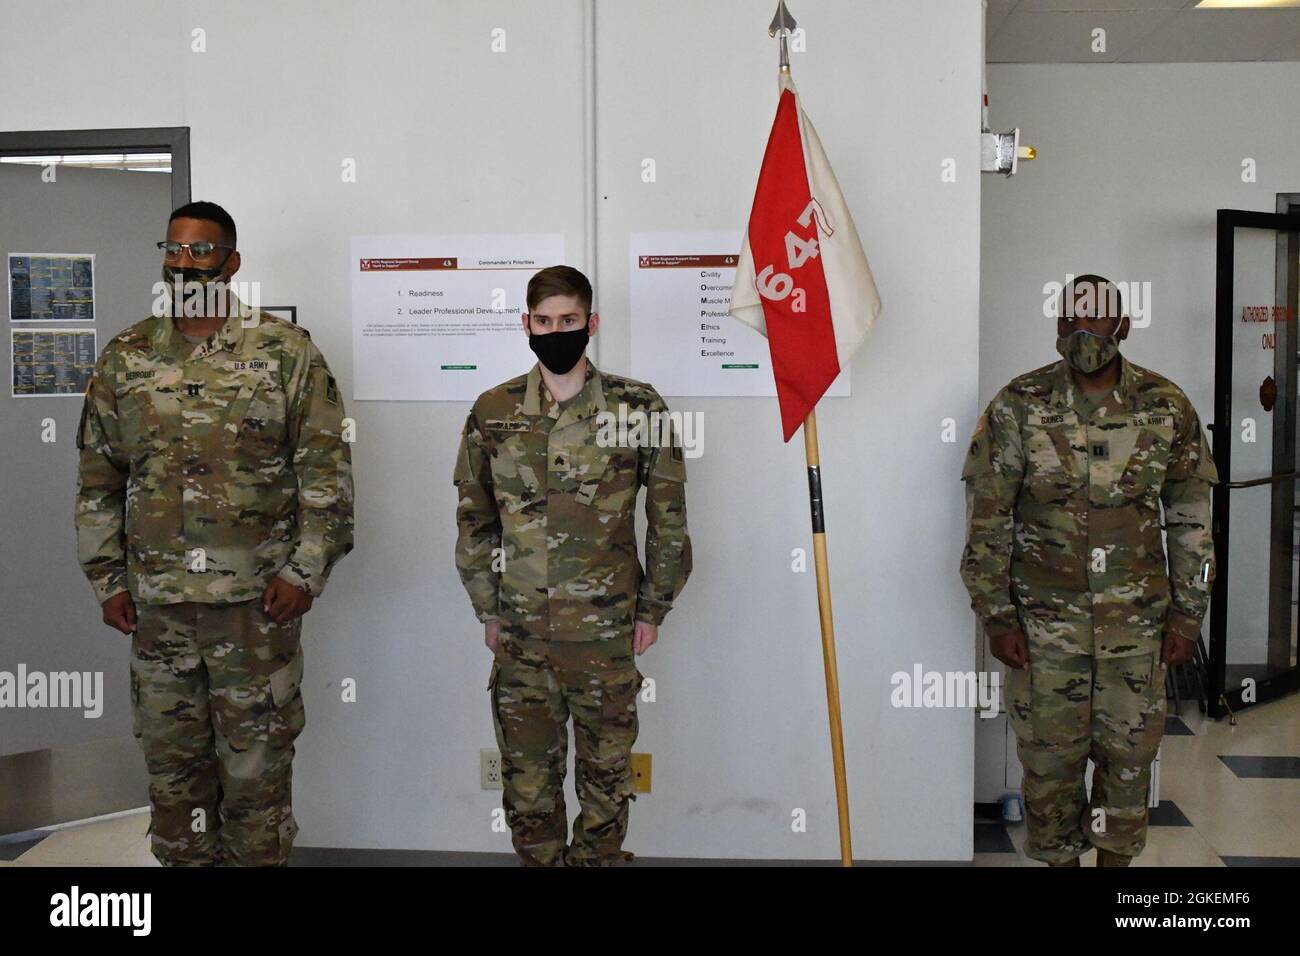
(199, 251)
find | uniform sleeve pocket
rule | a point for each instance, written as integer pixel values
(464, 472)
(670, 463)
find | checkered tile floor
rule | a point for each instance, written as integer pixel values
(1229, 796)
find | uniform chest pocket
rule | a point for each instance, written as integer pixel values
(516, 459)
(1144, 472)
(1054, 470)
(147, 417)
(258, 413)
(605, 478)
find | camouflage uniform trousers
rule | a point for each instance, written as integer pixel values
(217, 705)
(1065, 709)
(536, 685)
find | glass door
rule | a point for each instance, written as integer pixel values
(1253, 619)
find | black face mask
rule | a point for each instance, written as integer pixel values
(189, 277)
(560, 351)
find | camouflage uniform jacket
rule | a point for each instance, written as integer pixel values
(534, 482)
(208, 469)
(1063, 514)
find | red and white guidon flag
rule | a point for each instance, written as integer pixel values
(803, 279)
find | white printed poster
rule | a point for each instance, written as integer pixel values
(437, 318)
(684, 341)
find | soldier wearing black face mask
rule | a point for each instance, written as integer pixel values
(548, 553)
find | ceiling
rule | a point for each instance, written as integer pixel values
(1137, 31)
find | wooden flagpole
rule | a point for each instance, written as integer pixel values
(813, 456)
(782, 26)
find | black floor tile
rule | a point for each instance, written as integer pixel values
(1168, 815)
(1248, 767)
(1260, 860)
(16, 844)
(992, 838)
(1174, 727)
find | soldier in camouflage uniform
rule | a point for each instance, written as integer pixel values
(1066, 477)
(547, 551)
(215, 495)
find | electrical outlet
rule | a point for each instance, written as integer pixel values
(640, 773)
(489, 769)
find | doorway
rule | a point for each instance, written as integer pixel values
(1253, 619)
(82, 212)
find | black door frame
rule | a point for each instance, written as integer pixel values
(81, 142)
(1221, 698)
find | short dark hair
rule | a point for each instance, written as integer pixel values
(208, 212)
(1071, 291)
(559, 280)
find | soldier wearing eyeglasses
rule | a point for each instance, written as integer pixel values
(215, 495)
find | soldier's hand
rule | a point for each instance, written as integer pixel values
(1175, 650)
(119, 612)
(1011, 649)
(643, 636)
(492, 636)
(282, 602)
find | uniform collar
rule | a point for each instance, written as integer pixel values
(1124, 394)
(230, 337)
(587, 403)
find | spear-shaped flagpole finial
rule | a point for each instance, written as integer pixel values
(783, 25)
